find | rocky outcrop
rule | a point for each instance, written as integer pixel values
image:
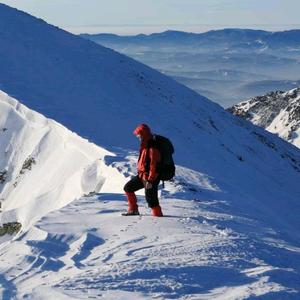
(10, 228)
(277, 112)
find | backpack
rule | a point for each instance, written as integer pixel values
(167, 167)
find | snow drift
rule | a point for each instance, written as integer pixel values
(44, 166)
(102, 95)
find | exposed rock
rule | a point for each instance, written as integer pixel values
(27, 165)
(3, 175)
(10, 228)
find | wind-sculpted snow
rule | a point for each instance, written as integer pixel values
(204, 248)
(45, 165)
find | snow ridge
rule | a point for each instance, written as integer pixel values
(277, 112)
(43, 165)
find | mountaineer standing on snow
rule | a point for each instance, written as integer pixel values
(148, 174)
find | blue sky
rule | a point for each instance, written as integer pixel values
(136, 16)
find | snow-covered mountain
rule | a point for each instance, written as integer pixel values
(215, 233)
(277, 112)
(231, 228)
(57, 74)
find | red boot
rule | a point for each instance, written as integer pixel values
(156, 211)
(133, 208)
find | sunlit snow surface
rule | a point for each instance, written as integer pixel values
(43, 165)
(201, 249)
(208, 246)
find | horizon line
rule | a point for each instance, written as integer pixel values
(131, 29)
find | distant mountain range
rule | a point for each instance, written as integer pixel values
(231, 37)
(223, 65)
(277, 112)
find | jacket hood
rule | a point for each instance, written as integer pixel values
(144, 131)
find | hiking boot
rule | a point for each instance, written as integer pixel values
(131, 213)
(132, 202)
(156, 211)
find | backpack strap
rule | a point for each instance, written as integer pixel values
(152, 143)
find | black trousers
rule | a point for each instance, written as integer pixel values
(136, 184)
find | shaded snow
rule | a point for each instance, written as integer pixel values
(231, 227)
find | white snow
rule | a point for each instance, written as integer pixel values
(276, 112)
(231, 225)
(285, 127)
(64, 166)
(208, 245)
(197, 251)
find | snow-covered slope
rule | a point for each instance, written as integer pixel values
(218, 240)
(199, 250)
(43, 165)
(277, 112)
(233, 226)
(208, 245)
(58, 74)
(103, 95)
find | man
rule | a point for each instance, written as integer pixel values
(148, 174)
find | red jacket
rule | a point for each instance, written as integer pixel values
(148, 164)
(149, 158)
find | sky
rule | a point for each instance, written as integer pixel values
(146, 16)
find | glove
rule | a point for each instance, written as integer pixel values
(148, 185)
